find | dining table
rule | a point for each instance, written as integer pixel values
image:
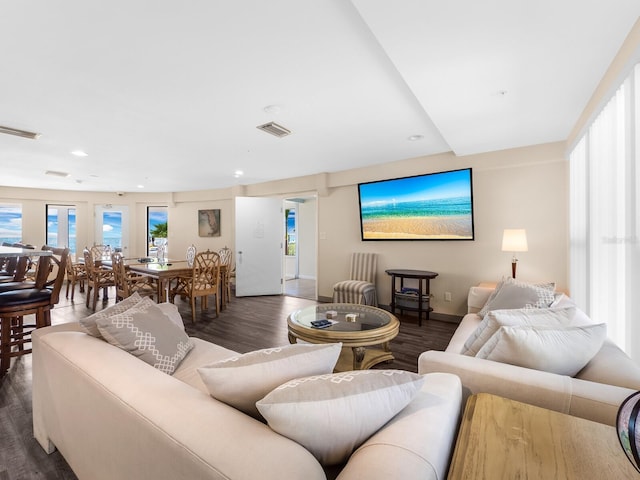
(162, 272)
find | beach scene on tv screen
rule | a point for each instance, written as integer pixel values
(436, 206)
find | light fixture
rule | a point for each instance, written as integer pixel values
(80, 153)
(19, 133)
(238, 173)
(415, 138)
(514, 240)
(628, 427)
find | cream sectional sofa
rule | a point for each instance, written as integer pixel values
(113, 416)
(594, 393)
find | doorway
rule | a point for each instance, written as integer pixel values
(112, 227)
(300, 254)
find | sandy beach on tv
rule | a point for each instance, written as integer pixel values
(447, 227)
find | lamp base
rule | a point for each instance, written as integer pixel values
(513, 269)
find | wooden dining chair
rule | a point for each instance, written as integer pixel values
(98, 277)
(204, 281)
(100, 252)
(76, 274)
(38, 299)
(127, 282)
(226, 265)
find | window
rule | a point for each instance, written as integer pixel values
(604, 239)
(157, 229)
(61, 227)
(10, 223)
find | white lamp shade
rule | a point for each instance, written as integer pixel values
(514, 240)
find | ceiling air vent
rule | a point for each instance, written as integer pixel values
(19, 133)
(274, 129)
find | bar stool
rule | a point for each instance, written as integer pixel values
(38, 299)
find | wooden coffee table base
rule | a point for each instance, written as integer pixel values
(361, 358)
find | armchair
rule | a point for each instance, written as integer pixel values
(360, 288)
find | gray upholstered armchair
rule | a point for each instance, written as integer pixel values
(360, 288)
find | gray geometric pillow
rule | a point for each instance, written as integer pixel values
(89, 325)
(513, 293)
(147, 333)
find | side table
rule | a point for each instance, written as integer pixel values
(504, 439)
(402, 301)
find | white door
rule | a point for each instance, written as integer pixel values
(259, 244)
(112, 226)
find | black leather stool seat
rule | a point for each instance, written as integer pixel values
(24, 296)
(8, 286)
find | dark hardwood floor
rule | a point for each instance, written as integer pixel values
(247, 324)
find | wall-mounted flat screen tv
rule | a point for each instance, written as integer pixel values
(434, 206)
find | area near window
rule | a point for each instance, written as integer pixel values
(604, 239)
(61, 227)
(157, 229)
(10, 223)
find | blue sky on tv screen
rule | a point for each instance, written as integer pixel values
(410, 189)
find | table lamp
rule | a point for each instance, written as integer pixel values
(628, 426)
(514, 240)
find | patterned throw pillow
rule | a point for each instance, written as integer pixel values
(242, 380)
(88, 324)
(512, 293)
(147, 333)
(332, 415)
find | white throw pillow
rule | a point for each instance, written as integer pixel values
(88, 324)
(332, 415)
(147, 333)
(242, 380)
(523, 316)
(561, 350)
(512, 293)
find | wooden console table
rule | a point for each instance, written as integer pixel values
(504, 439)
(423, 304)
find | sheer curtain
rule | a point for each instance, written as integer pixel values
(604, 248)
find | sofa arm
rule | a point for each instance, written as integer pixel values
(485, 376)
(590, 400)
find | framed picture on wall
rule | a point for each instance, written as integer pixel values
(209, 223)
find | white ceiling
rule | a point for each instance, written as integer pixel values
(167, 94)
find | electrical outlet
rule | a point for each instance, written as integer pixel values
(447, 296)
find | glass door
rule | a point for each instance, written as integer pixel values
(61, 227)
(112, 227)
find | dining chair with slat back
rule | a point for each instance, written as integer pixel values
(38, 299)
(226, 265)
(127, 282)
(76, 274)
(98, 278)
(204, 281)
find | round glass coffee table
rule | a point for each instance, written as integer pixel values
(356, 326)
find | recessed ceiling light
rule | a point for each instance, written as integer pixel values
(140, 186)
(415, 138)
(79, 153)
(238, 173)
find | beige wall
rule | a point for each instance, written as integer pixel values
(520, 188)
